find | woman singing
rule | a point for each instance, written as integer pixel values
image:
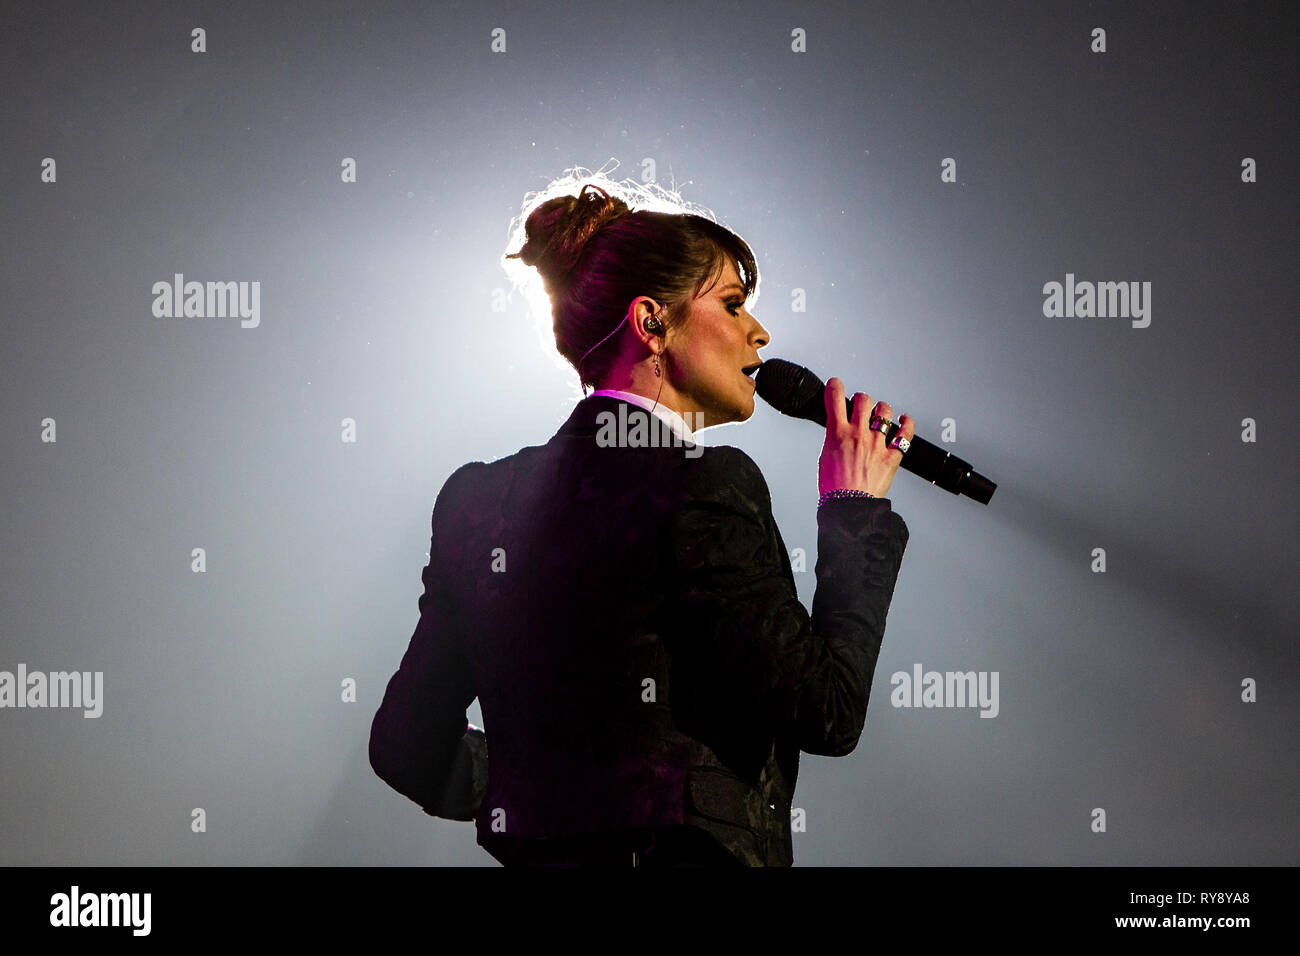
(619, 598)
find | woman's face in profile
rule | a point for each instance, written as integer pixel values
(711, 348)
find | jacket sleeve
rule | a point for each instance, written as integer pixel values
(421, 742)
(751, 654)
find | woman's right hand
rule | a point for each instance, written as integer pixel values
(854, 456)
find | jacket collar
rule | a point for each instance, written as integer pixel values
(583, 419)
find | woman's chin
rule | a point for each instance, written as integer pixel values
(747, 410)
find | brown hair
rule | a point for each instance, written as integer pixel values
(596, 255)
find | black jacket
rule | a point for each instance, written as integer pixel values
(628, 618)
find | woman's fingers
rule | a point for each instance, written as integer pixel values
(834, 397)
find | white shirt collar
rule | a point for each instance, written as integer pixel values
(663, 412)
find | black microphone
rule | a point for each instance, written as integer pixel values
(795, 391)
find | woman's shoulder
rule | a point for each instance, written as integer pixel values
(466, 474)
(459, 483)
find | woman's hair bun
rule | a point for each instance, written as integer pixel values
(557, 231)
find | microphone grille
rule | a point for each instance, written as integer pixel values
(791, 389)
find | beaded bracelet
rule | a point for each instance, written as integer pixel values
(843, 493)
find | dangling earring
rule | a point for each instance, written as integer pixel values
(657, 373)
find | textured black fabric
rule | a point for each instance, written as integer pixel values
(629, 621)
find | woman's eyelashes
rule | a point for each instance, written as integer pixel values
(734, 305)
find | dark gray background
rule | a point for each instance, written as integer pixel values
(1118, 690)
